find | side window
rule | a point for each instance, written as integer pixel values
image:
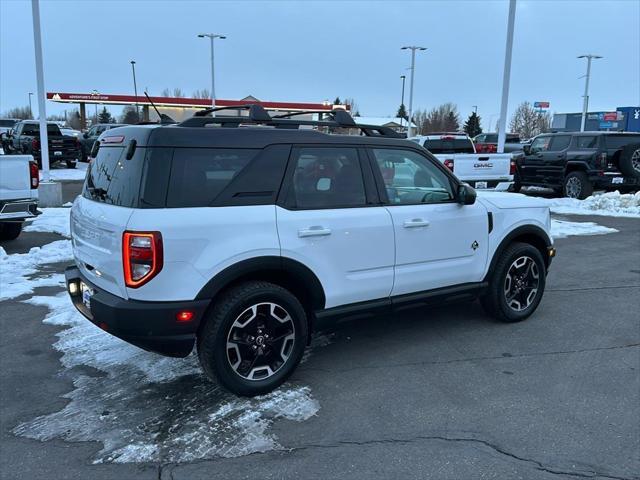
(411, 179)
(587, 142)
(327, 178)
(540, 144)
(92, 132)
(559, 143)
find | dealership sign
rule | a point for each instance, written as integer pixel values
(541, 104)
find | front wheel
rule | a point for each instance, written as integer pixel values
(253, 338)
(577, 185)
(517, 284)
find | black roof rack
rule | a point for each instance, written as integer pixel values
(258, 115)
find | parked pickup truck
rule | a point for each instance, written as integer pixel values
(19, 180)
(457, 152)
(25, 139)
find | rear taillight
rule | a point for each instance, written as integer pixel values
(602, 160)
(34, 173)
(35, 144)
(512, 167)
(449, 163)
(141, 257)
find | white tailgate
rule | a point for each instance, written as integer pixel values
(15, 178)
(477, 166)
(96, 232)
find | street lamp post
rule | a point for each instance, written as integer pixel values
(403, 77)
(506, 78)
(135, 87)
(475, 109)
(42, 112)
(30, 109)
(95, 93)
(413, 68)
(211, 37)
(585, 104)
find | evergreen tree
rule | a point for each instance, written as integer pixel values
(472, 125)
(105, 116)
(337, 101)
(402, 112)
(451, 122)
(129, 115)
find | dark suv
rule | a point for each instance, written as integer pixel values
(575, 164)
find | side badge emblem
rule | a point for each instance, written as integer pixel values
(475, 245)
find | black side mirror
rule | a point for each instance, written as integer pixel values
(466, 195)
(85, 135)
(526, 149)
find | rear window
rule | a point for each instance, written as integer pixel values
(34, 129)
(112, 179)
(449, 145)
(7, 123)
(619, 141)
(199, 175)
(493, 138)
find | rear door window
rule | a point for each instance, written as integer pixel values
(559, 143)
(199, 175)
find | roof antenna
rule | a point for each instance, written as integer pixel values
(164, 119)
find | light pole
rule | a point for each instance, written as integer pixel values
(585, 104)
(506, 78)
(403, 77)
(95, 93)
(211, 37)
(413, 69)
(135, 87)
(42, 112)
(475, 109)
(30, 109)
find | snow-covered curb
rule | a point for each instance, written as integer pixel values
(563, 229)
(55, 220)
(612, 204)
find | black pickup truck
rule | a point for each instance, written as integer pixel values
(576, 164)
(25, 139)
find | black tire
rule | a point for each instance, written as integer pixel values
(83, 156)
(10, 230)
(495, 301)
(71, 163)
(577, 185)
(629, 160)
(221, 326)
(515, 187)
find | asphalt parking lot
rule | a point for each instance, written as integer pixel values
(432, 393)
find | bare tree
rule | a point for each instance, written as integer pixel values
(353, 106)
(529, 122)
(204, 93)
(443, 118)
(21, 113)
(177, 93)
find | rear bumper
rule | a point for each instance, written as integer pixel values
(497, 185)
(149, 325)
(613, 180)
(18, 210)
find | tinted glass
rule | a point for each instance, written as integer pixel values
(559, 143)
(540, 144)
(587, 142)
(327, 178)
(7, 123)
(112, 179)
(199, 175)
(449, 145)
(619, 141)
(34, 129)
(410, 178)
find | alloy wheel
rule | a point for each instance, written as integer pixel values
(635, 160)
(521, 283)
(260, 341)
(573, 187)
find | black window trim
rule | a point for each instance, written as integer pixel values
(382, 191)
(285, 197)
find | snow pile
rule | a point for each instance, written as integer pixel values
(54, 220)
(149, 408)
(613, 204)
(77, 173)
(563, 229)
(16, 270)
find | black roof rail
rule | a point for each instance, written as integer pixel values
(258, 115)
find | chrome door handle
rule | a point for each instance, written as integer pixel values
(415, 223)
(315, 231)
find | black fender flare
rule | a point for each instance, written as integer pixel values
(265, 267)
(542, 242)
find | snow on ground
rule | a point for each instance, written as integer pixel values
(563, 228)
(54, 220)
(77, 173)
(149, 408)
(18, 271)
(613, 204)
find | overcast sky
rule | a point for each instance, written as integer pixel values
(315, 51)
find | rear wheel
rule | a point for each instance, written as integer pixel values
(71, 164)
(253, 338)
(516, 285)
(10, 230)
(629, 160)
(577, 185)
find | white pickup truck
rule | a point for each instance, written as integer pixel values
(480, 170)
(19, 180)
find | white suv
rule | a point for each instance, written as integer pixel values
(238, 239)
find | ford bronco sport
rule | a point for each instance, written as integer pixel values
(237, 239)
